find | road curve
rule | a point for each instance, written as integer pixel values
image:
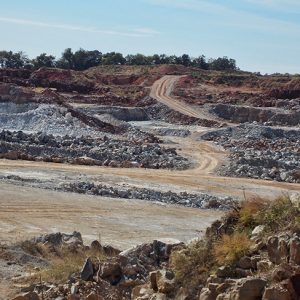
(162, 90)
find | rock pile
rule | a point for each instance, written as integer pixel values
(199, 200)
(260, 152)
(88, 151)
(162, 112)
(185, 199)
(242, 114)
(113, 278)
(242, 256)
(49, 118)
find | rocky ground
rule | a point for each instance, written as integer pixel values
(260, 152)
(88, 151)
(258, 263)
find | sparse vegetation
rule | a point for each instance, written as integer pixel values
(63, 261)
(281, 214)
(231, 248)
(194, 264)
(62, 267)
(191, 265)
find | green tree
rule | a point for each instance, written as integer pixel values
(44, 60)
(83, 59)
(138, 59)
(186, 60)
(67, 59)
(17, 60)
(222, 64)
(200, 62)
(113, 58)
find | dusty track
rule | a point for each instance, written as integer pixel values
(162, 90)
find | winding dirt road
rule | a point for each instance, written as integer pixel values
(162, 92)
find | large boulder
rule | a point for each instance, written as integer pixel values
(248, 289)
(282, 272)
(276, 292)
(141, 292)
(111, 272)
(295, 250)
(278, 249)
(165, 282)
(58, 239)
(207, 294)
(87, 271)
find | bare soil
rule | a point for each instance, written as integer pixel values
(27, 212)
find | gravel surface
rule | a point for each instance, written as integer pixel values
(89, 151)
(126, 191)
(49, 119)
(260, 152)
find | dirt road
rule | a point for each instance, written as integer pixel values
(162, 90)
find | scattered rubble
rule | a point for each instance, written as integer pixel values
(243, 114)
(189, 200)
(162, 112)
(89, 151)
(270, 269)
(199, 200)
(113, 277)
(260, 152)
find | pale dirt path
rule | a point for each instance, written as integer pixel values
(162, 90)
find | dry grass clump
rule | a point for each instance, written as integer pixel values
(247, 213)
(62, 267)
(282, 214)
(64, 263)
(231, 248)
(34, 249)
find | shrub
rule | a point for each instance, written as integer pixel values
(281, 214)
(247, 214)
(231, 248)
(33, 248)
(191, 265)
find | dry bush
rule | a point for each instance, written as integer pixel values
(63, 260)
(192, 264)
(281, 214)
(62, 267)
(231, 248)
(247, 214)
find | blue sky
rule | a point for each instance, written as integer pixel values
(262, 35)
